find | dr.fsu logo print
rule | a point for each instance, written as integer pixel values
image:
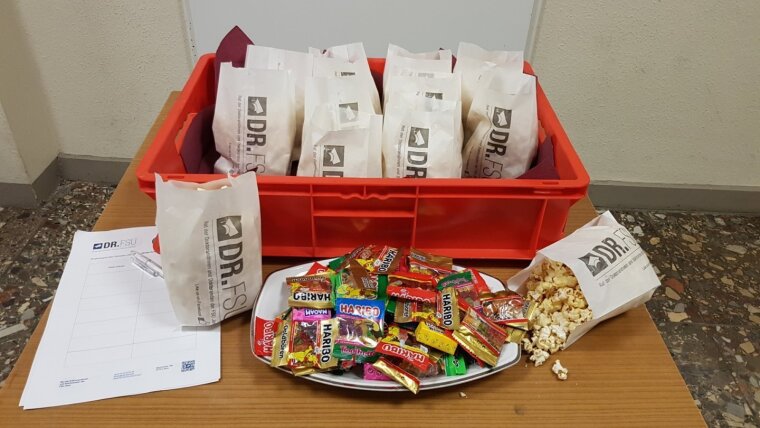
(333, 156)
(349, 112)
(594, 263)
(502, 118)
(229, 228)
(418, 137)
(257, 106)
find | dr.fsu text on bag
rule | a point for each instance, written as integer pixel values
(254, 120)
(501, 131)
(210, 247)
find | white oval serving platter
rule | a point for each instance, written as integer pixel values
(273, 299)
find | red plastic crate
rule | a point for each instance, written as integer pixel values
(323, 217)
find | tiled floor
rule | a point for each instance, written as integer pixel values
(708, 312)
(34, 245)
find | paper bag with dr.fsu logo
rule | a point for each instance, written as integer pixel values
(474, 63)
(254, 120)
(298, 64)
(422, 138)
(342, 141)
(210, 247)
(347, 61)
(612, 270)
(501, 131)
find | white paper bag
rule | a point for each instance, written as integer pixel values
(299, 64)
(501, 133)
(422, 138)
(613, 271)
(442, 86)
(345, 92)
(254, 120)
(399, 59)
(474, 62)
(210, 247)
(351, 52)
(346, 61)
(342, 142)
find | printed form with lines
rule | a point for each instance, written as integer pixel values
(112, 331)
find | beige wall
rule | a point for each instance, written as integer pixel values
(106, 68)
(26, 105)
(11, 167)
(656, 91)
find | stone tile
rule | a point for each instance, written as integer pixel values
(711, 263)
(660, 308)
(37, 243)
(717, 395)
(18, 227)
(719, 303)
(693, 346)
(745, 366)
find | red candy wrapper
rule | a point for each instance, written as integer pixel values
(415, 294)
(386, 260)
(317, 269)
(414, 356)
(264, 332)
(412, 286)
(480, 283)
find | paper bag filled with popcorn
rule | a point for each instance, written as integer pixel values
(596, 273)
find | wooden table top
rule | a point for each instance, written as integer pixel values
(620, 373)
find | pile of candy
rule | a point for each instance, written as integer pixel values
(394, 314)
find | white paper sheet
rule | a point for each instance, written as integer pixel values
(112, 331)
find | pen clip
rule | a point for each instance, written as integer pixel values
(147, 265)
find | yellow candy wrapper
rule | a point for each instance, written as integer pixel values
(435, 337)
(474, 346)
(281, 343)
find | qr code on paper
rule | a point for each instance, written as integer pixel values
(188, 366)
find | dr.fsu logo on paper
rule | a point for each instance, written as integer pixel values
(333, 156)
(418, 138)
(349, 112)
(229, 228)
(502, 118)
(257, 106)
(610, 251)
(594, 263)
(417, 152)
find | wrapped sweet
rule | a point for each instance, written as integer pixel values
(390, 314)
